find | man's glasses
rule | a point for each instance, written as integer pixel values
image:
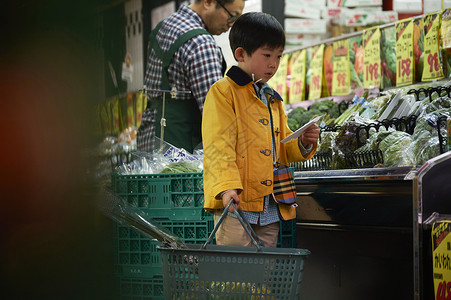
(232, 18)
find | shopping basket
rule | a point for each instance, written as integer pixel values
(232, 272)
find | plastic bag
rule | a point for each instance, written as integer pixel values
(164, 159)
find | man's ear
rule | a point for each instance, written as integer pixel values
(239, 54)
(208, 3)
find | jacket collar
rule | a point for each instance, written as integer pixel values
(242, 79)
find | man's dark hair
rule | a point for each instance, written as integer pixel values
(254, 30)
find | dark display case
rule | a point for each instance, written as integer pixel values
(365, 230)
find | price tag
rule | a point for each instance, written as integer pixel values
(141, 104)
(341, 80)
(432, 69)
(446, 28)
(441, 254)
(316, 77)
(405, 62)
(116, 113)
(279, 81)
(130, 110)
(298, 66)
(372, 57)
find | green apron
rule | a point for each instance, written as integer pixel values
(183, 117)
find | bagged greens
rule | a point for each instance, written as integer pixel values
(394, 146)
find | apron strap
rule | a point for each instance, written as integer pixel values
(166, 57)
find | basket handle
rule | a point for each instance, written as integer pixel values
(247, 227)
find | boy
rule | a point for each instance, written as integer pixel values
(243, 124)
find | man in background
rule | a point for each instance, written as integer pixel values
(184, 56)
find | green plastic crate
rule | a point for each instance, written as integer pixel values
(141, 289)
(175, 196)
(136, 254)
(287, 234)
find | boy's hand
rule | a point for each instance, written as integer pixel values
(231, 194)
(310, 135)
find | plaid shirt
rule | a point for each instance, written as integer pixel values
(196, 65)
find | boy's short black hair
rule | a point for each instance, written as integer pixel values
(254, 30)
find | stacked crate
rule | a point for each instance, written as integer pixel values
(174, 201)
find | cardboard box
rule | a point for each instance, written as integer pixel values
(309, 26)
(317, 4)
(302, 40)
(353, 3)
(357, 17)
(301, 10)
(408, 6)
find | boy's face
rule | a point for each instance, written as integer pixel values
(263, 63)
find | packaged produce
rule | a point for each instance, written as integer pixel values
(327, 141)
(375, 137)
(448, 126)
(127, 139)
(425, 143)
(394, 147)
(346, 141)
(164, 159)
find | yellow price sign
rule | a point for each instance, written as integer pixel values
(131, 121)
(405, 63)
(372, 57)
(341, 80)
(432, 69)
(298, 66)
(446, 28)
(316, 77)
(441, 259)
(116, 114)
(279, 81)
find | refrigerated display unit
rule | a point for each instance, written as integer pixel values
(368, 229)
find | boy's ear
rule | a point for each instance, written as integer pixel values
(239, 54)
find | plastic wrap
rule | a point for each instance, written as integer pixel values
(425, 143)
(165, 159)
(394, 150)
(327, 142)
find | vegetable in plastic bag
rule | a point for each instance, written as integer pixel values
(394, 147)
(346, 142)
(327, 143)
(425, 143)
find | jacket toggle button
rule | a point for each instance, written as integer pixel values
(266, 182)
(264, 121)
(266, 152)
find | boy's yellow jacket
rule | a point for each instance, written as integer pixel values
(236, 135)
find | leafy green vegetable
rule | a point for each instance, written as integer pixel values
(425, 143)
(394, 146)
(438, 103)
(375, 138)
(181, 167)
(346, 143)
(294, 117)
(326, 106)
(327, 143)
